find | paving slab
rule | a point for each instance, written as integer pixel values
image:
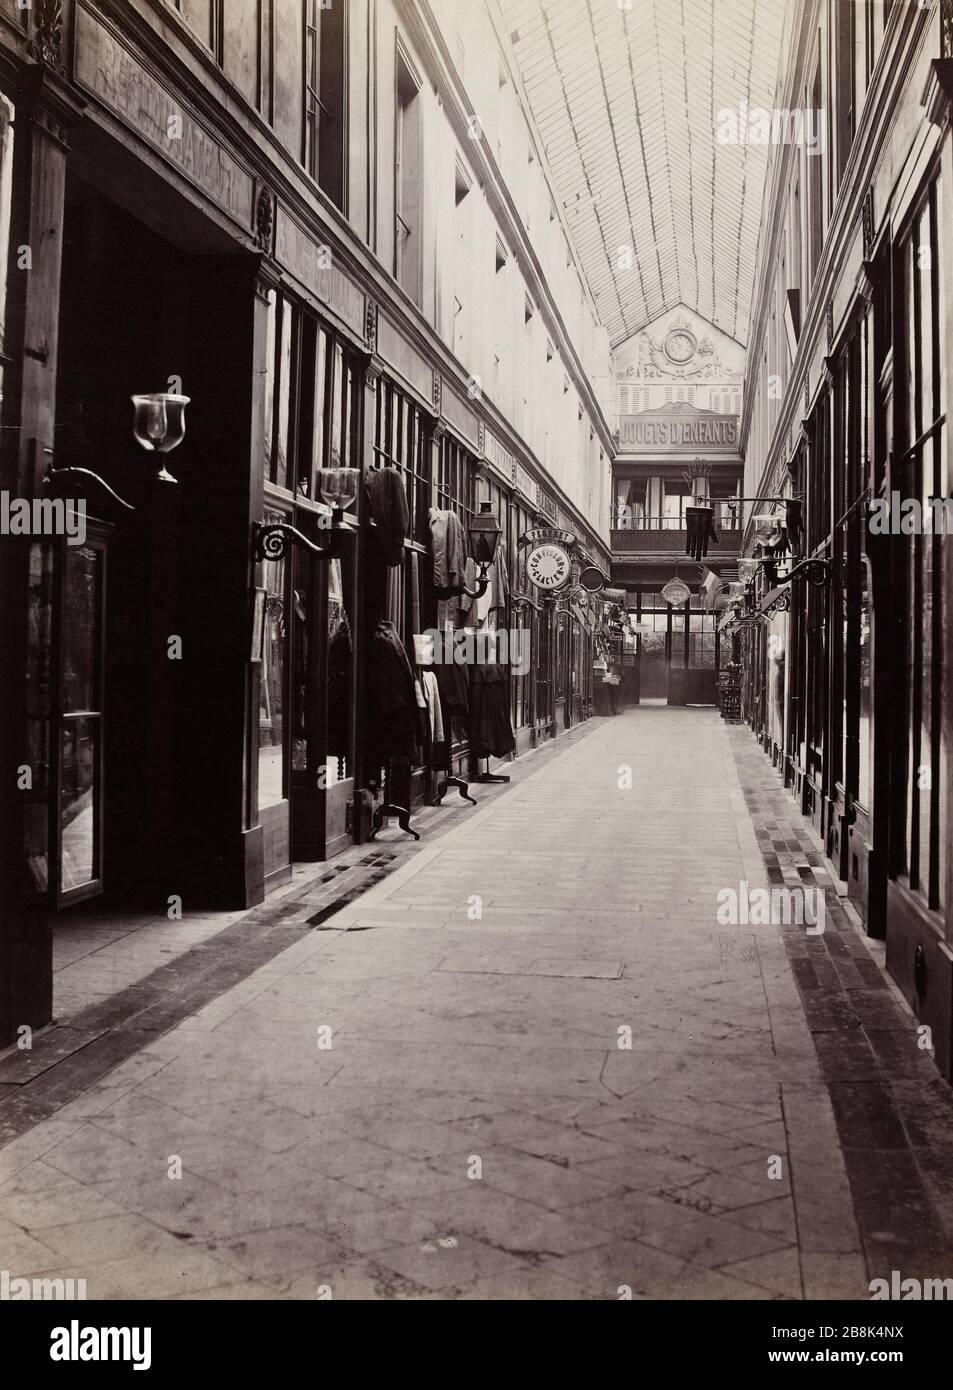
(528, 1061)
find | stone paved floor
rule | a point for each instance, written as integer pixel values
(528, 1063)
(894, 1113)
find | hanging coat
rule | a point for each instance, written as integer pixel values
(394, 729)
(339, 692)
(448, 544)
(387, 498)
(491, 732)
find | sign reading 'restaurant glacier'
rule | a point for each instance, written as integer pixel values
(654, 430)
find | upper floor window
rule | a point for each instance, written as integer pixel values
(407, 142)
(815, 182)
(205, 19)
(325, 27)
(845, 94)
(312, 400)
(455, 483)
(401, 441)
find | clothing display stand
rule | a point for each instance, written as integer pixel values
(394, 730)
(389, 810)
(451, 781)
(491, 734)
(445, 766)
(487, 776)
(423, 650)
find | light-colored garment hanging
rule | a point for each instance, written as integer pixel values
(432, 696)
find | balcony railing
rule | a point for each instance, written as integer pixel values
(647, 540)
(726, 517)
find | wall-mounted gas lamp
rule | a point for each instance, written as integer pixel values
(158, 425)
(484, 533)
(768, 529)
(338, 489)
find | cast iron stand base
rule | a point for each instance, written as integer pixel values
(488, 776)
(446, 782)
(401, 814)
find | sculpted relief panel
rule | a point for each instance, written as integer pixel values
(680, 347)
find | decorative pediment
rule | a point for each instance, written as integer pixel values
(681, 346)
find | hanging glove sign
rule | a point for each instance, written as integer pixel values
(548, 567)
(700, 529)
(676, 592)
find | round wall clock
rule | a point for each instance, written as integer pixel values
(548, 566)
(680, 346)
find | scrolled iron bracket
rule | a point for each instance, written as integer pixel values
(815, 571)
(271, 541)
(52, 474)
(521, 600)
(482, 583)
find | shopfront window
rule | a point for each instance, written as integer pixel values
(816, 633)
(864, 704)
(6, 194)
(562, 622)
(340, 644)
(321, 743)
(313, 423)
(39, 695)
(328, 414)
(271, 756)
(284, 371)
(921, 849)
(851, 610)
(402, 441)
(79, 753)
(524, 618)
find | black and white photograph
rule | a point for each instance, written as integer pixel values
(476, 631)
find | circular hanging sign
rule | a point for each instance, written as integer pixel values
(592, 579)
(548, 566)
(675, 592)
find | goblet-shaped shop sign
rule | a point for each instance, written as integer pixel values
(159, 425)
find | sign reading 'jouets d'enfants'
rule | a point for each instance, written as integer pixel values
(650, 431)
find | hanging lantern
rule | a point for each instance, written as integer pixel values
(675, 593)
(484, 532)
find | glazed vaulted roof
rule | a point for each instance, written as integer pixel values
(626, 102)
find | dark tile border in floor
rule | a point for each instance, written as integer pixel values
(73, 1055)
(893, 1110)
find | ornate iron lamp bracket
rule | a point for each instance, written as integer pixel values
(271, 541)
(482, 583)
(815, 571)
(53, 473)
(519, 600)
